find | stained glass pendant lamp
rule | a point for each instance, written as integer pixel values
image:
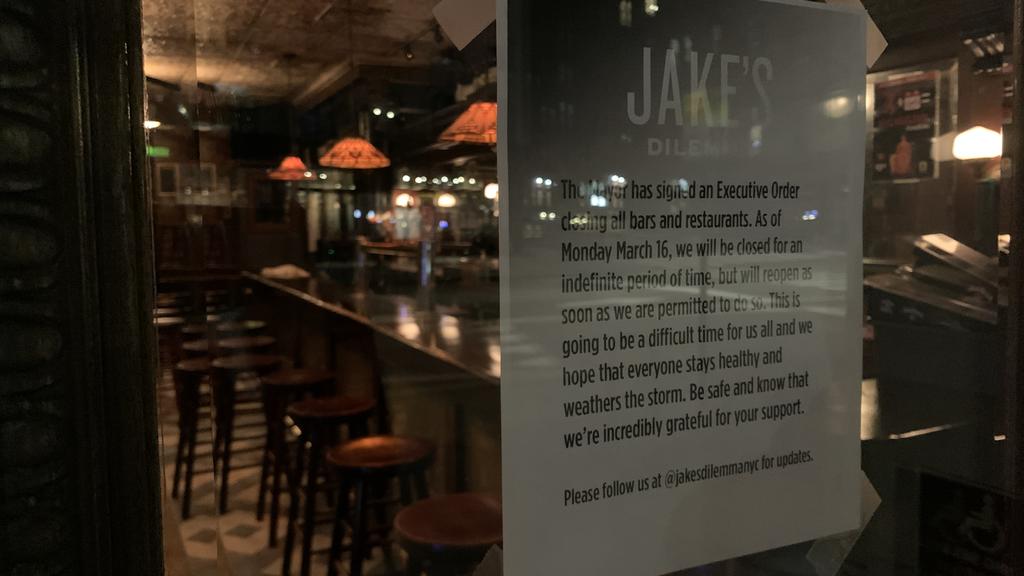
(291, 169)
(477, 125)
(355, 154)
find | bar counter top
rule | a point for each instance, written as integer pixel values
(469, 344)
(473, 345)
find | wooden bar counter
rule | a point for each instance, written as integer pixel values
(438, 367)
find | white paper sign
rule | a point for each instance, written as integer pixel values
(681, 198)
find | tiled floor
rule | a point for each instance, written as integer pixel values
(234, 543)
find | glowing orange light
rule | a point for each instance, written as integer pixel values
(477, 125)
(292, 168)
(355, 154)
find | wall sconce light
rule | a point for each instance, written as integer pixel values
(978, 143)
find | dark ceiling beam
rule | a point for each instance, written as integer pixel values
(339, 76)
(905, 19)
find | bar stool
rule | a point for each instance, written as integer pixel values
(226, 371)
(448, 534)
(188, 377)
(319, 420)
(241, 328)
(192, 332)
(228, 346)
(168, 337)
(373, 461)
(280, 389)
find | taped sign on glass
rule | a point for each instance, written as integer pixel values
(681, 280)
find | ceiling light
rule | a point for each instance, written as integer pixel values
(978, 143)
(446, 200)
(151, 124)
(355, 154)
(477, 125)
(406, 178)
(390, 115)
(491, 191)
(472, 181)
(292, 168)
(408, 52)
(377, 111)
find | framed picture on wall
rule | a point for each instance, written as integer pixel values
(167, 177)
(906, 124)
(207, 176)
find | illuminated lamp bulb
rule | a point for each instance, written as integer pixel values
(403, 200)
(491, 191)
(446, 200)
(978, 143)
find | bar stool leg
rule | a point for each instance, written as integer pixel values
(405, 489)
(280, 458)
(190, 460)
(261, 501)
(359, 529)
(421, 484)
(294, 492)
(227, 436)
(179, 456)
(380, 492)
(338, 530)
(309, 518)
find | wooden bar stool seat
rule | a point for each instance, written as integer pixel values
(168, 322)
(448, 534)
(333, 411)
(390, 454)
(188, 378)
(279, 389)
(226, 371)
(261, 364)
(192, 332)
(166, 311)
(241, 328)
(300, 379)
(171, 299)
(319, 420)
(369, 463)
(227, 346)
(251, 344)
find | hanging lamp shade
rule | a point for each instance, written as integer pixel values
(355, 154)
(477, 125)
(292, 168)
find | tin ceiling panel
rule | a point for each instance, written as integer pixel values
(240, 46)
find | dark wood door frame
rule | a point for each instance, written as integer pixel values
(1014, 376)
(79, 466)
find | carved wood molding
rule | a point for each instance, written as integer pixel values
(35, 469)
(78, 460)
